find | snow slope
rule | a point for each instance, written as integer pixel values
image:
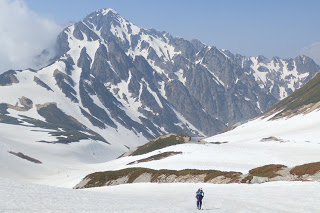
(55, 158)
(146, 197)
(242, 152)
(300, 130)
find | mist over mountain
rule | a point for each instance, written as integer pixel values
(24, 35)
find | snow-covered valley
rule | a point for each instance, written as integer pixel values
(64, 164)
(115, 86)
(239, 150)
(242, 152)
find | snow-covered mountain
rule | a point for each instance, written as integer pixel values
(285, 135)
(115, 84)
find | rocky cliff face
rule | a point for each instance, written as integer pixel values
(114, 81)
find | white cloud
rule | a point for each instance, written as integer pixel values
(313, 51)
(23, 35)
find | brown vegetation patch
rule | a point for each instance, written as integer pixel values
(272, 172)
(161, 142)
(155, 157)
(26, 102)
(269, 171)
(306, 169)
(108, 177)
(26, 157)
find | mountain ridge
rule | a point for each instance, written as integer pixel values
(117, 78)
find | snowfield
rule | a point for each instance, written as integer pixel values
(300, 129)
(63, 166)
(280, 197)
(66, 165)
(241, 149)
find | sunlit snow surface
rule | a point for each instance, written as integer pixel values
(280, 197)
(242, 149)
(65, 166)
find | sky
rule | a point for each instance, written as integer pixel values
(283, 28)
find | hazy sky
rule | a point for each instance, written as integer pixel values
(284, 28)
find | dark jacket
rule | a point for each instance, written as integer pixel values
(199, 194)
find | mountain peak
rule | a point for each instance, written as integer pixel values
(104, 14)
(106, 11)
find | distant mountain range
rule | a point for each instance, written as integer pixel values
(114, 82)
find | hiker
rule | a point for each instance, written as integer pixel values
(199, 196)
